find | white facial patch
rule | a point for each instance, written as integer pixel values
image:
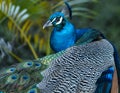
(59, 21)
(53, 20)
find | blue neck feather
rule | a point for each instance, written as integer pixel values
(63, 38)
(80, 32)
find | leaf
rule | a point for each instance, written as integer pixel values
(78, 9)
(13, 12)
(75, 2)
(83, 15)
(25, 28)
(36, 40)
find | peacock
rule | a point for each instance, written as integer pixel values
(84, 62)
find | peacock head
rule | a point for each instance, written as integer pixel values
(58, 19)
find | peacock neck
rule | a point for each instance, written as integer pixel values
(63, 37)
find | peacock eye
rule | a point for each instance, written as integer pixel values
(29, 63)
(25, 77)
(57, 19)
(14, 77)
(12, 69)
(38, 64)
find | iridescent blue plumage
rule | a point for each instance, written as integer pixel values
(80, 32)
(104, 83)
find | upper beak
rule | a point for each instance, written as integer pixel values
(47, 24)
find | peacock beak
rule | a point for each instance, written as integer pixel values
(47, 24)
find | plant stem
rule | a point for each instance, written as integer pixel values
(16, 57)
(59, 4)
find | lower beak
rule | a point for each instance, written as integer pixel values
(47, 24)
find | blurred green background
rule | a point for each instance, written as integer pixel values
(21, 21)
